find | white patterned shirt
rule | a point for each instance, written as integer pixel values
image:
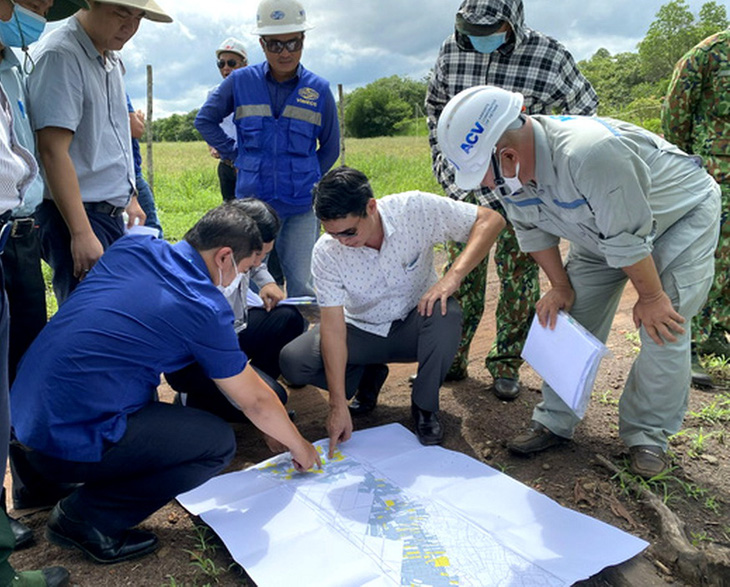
(18, 168)
(377, 287)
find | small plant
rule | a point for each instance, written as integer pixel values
(607, 400)
(201, 557)
(716, 412)
(692, 490)
(712, 505)
(635, 340)
(697, 538)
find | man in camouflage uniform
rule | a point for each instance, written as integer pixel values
(696, 117)
(491, 45)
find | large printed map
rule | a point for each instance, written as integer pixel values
(386, 511)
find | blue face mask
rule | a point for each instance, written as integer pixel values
(488, 43)
(23, 28)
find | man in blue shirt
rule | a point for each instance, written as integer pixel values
(86, 413)
(145, 197)
(288, 134)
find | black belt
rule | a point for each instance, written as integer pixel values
(104, 208)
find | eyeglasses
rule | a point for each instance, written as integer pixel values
(277, 46)
(232, 63)
(348, 233)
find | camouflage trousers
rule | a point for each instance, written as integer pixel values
(520, 290)
(714, 319)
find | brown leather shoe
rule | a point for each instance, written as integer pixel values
(647, 461)
(536, 439)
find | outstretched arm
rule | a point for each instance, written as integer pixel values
(333, 333)
(483, 233)
(263, 408)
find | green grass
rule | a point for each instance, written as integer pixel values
(186, 182)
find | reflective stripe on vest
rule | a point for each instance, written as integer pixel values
(253, 110)
(310, 116)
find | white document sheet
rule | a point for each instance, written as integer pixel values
(567, 358)
(253, 300)
(388, 511)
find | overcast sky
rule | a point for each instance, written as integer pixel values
(354, 42)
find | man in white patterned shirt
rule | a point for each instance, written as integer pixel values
(380, 298)
(492, 45)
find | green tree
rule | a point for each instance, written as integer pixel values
(614, 77)
(673, 33)
(380, 108)
(177, 127)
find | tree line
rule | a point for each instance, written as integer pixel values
(630, 85)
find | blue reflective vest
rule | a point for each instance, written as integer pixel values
(277, 157)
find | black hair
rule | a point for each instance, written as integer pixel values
(341, 192)
(227, 225)
(263, 215)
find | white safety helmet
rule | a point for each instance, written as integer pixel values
(470, 126)
(280, 17)
(231, 45)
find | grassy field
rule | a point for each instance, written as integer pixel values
(186, 183)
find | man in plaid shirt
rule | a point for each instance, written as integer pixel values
(491, 45)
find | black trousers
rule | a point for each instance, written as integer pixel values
(227, 179)
(166, 450)
(262, 340)
(21, 260)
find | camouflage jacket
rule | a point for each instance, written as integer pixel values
(696, 111)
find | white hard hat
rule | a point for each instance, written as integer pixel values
(231, 45)
(470, 126)
(280, 17)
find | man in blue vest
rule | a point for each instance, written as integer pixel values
(288, 134)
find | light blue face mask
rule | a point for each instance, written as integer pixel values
(488, 43)
(23, 28)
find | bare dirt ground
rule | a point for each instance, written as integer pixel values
(477, 424)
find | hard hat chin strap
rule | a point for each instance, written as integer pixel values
(499, 182)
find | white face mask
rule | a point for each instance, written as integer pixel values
(513, 184)
(231, 288)
(235, 298)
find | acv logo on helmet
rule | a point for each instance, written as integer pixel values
(277, 15)
(472, 138)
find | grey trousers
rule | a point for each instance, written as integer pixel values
(655, 395)
(430, 341)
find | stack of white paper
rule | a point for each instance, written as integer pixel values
(567, 358)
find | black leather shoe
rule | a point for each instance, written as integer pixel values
(68, 533)
(506, 388)
(23, 534)
(367, 393)
(428, 426)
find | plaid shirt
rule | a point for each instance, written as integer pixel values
(532, 63)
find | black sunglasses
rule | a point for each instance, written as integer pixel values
(230, 63)
(277, 46)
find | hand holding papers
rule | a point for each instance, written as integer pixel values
(567, 358)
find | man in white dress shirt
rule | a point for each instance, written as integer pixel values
(380, 298)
